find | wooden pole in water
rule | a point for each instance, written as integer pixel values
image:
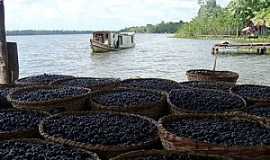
(215, 63)
(13, 63)
(4, 71)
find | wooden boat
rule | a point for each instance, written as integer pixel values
(106, 41)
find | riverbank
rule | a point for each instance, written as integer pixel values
(231, 38)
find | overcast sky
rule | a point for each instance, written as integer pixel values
(96, 14)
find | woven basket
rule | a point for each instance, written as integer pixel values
(251, 100)
(167, 85)
(217, 85)
(210, 75)
(104, 151)
(23, 82)
(26, 133)
(39, 141)
(266, 119)
(72, 103)
(171, 141)
(179, 109)
(106, 86)
(144, 153)
(152, 110)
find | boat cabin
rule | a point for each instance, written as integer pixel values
(113, 40)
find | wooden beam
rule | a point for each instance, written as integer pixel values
(13, 63)
(4, 71)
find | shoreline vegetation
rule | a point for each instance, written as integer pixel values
(163, 27)
(215, 22)
(229, 38)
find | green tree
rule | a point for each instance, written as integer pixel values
(215, 20)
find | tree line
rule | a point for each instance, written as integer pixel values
(212, 19)
(44, 32)
(169, 27)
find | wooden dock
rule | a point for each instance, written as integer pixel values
(258, 48)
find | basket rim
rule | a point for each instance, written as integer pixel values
(257, 99)
(97, 147)
(22, 131)
(112, 107)
(47, 102)
(60, 81)
(139, 153)
(208, 71)
(19, 82)
(207, 82)
(236, 115)
(141, 79)
(173, 106)
(123, 85)
(188, 84)
(40, 141)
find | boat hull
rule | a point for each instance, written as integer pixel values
(98, 47)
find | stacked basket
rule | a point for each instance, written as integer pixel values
(165, 155)
(144, 102)
(210, 75)
(39, 149)
(222, 134)
(106, 133)
(189, 100)
(95, 84)
(49, 98)
(20, 123)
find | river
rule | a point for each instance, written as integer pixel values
(155, 55)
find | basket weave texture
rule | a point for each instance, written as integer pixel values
(152, 110)
(171, 141)
(104, 151)
(71, 103)
(23, 133)
(210, 75)
(181, 109)
(40, 141)
(113, 83)
(252, 100)
(144, 153)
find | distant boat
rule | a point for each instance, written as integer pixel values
(106, 41)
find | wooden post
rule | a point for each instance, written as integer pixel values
(4, 71)
(215, 62)
(13, 63)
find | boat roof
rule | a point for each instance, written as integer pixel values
(121, 33)
(127, 33)
(105, 32)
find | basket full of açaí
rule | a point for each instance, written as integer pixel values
(65, 117)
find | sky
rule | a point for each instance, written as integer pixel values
(96, 14)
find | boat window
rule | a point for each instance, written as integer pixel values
(107, 36)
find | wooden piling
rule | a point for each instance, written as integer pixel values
(4, 70)
(13, 63)
(215, 62)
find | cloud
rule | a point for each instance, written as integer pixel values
(95, 14)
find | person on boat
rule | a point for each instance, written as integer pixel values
(116, 44)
